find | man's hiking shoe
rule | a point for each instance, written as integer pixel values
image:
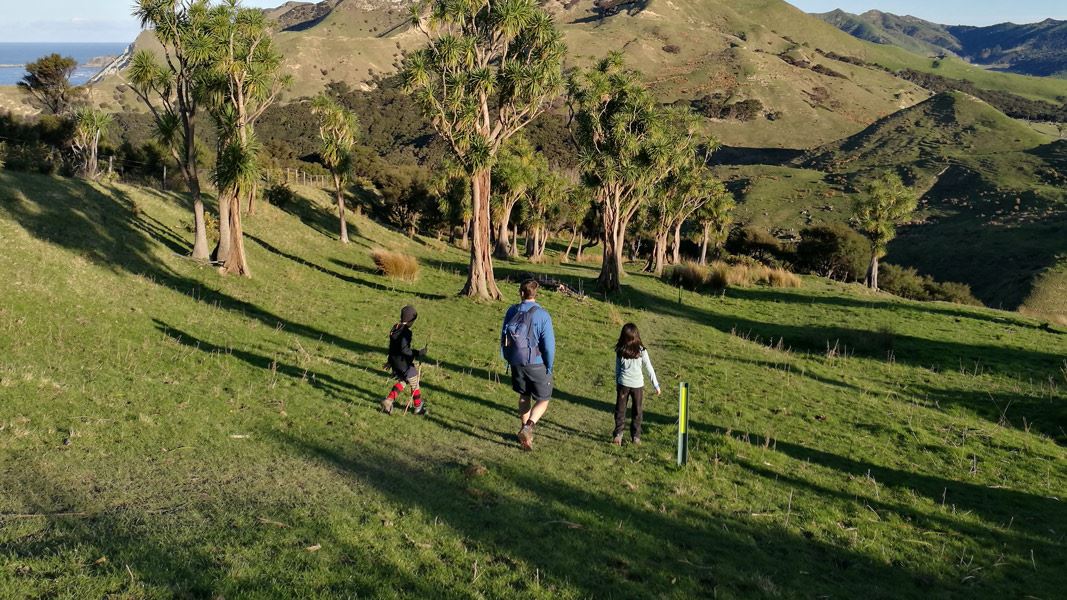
(526, 437)
(387, 406)
(617, 440)
(421, 410)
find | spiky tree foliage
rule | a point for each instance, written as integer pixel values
(888, 204)
(549, 191)
(338, 128)
(89, 125)
(627, 146)
(715, 218)
(172, 88)
(515, 172)
(246, 78)
(489, 68)
(47, 81)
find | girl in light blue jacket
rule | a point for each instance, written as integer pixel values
(630, 358)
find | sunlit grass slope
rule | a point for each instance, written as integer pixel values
(165, 432)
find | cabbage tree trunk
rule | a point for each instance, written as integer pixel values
(704, 235)
(872, 273)
(481, 283)
(339, 191)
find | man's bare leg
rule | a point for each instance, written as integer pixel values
(524, 410)
(538, 411)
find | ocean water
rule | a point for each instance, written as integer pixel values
(14, 56)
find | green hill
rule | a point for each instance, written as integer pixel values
(911, 33)
(815, 83)
(1028, 49)
(169, 433)
(993, 212)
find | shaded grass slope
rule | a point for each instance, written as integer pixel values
(165, 432)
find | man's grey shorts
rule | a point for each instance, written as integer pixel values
(531, 380)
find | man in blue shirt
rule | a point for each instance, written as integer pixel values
(528, 343)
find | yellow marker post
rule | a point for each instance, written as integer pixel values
(683, 424)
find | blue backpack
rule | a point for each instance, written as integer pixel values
(520, 345)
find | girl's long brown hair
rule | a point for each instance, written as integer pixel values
(629, 344)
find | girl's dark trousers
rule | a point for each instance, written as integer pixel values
(637, 396)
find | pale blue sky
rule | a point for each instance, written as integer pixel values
(75, 20)
(110, 21)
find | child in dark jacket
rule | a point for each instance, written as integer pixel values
(401, 361)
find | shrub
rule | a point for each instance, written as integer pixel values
(672, 49)
(395, 264)
(901, 281)
(756, 243)
(688, 275)
(951, 291)
(280, 195)
(834, 251)
(906, 282)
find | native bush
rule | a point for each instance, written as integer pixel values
(756, 243)
(280, 195)
(906, 282)
(835, 251)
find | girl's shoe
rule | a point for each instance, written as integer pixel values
(387, 406)
(636, 441)
(421, 410)
(617, 440)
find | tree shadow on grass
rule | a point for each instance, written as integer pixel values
(116, 538)
(941, 355)
(1043, 519)
(596, 543)
(341, 276)
(314, 216)
(185, 548)
(1046, 415)
(774, 295)
(328, 384)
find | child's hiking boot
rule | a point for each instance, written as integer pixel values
(617, 440)
(526, 437)
(387, 406)
(421, 410)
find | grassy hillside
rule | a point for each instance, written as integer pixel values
(912, 34)
(169, 433)
(754, 49)
(993, 208)
(1030, 49)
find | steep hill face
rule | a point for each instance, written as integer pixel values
(992, 212)
(910, 33)
(802, 81)
(1038, 49)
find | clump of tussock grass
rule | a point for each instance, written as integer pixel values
(395, 264)
(780, 278)
(721, 275)
(687, 275)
